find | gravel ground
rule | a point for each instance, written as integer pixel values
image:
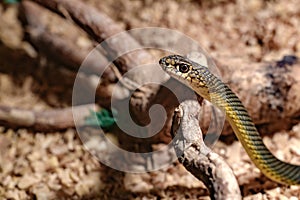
(56, 166)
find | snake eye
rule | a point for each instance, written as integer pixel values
(183, 68)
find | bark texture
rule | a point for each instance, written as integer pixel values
(48, 120)
(197, 158)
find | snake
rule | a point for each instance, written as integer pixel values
(200, 79)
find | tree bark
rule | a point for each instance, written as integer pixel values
(197, 158)
(48, 120)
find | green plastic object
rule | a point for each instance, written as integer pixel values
(11, 1)
(102, 118)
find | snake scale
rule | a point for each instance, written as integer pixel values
(211, 88)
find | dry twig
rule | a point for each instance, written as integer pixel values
(197, 158)
(48, 120)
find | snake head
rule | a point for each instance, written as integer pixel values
(176, 65)
(183, 69)
(188, 72)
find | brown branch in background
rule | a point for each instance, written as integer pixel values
(197, 158)
(48, 120)
(60, 48)
(88, 18)
(101, 27)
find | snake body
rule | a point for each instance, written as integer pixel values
(210, 87)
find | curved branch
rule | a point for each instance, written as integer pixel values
(101, 27)
(197, 158)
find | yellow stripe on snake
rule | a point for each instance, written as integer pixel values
(211, 88)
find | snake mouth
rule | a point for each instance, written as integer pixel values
(166, 65)
(162, 62)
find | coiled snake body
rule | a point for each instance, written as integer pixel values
(210, 87)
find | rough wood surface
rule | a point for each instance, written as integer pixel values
(100, 27)
(197, 158)
(48, 120)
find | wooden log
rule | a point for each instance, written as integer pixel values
(48, 120)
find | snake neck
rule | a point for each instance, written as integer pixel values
(222, 96)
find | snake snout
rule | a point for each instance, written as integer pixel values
(162, 61)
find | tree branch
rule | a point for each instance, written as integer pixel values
(198, 159)
(100, 27)
(48, 120)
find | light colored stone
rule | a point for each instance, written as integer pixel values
(59, 149)
(64, 176)
(52, 162)
(42, 192)
(135, 183)
(12, 194)
(53, 183)
(26, 181)
(81, 189)
(74, 176)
